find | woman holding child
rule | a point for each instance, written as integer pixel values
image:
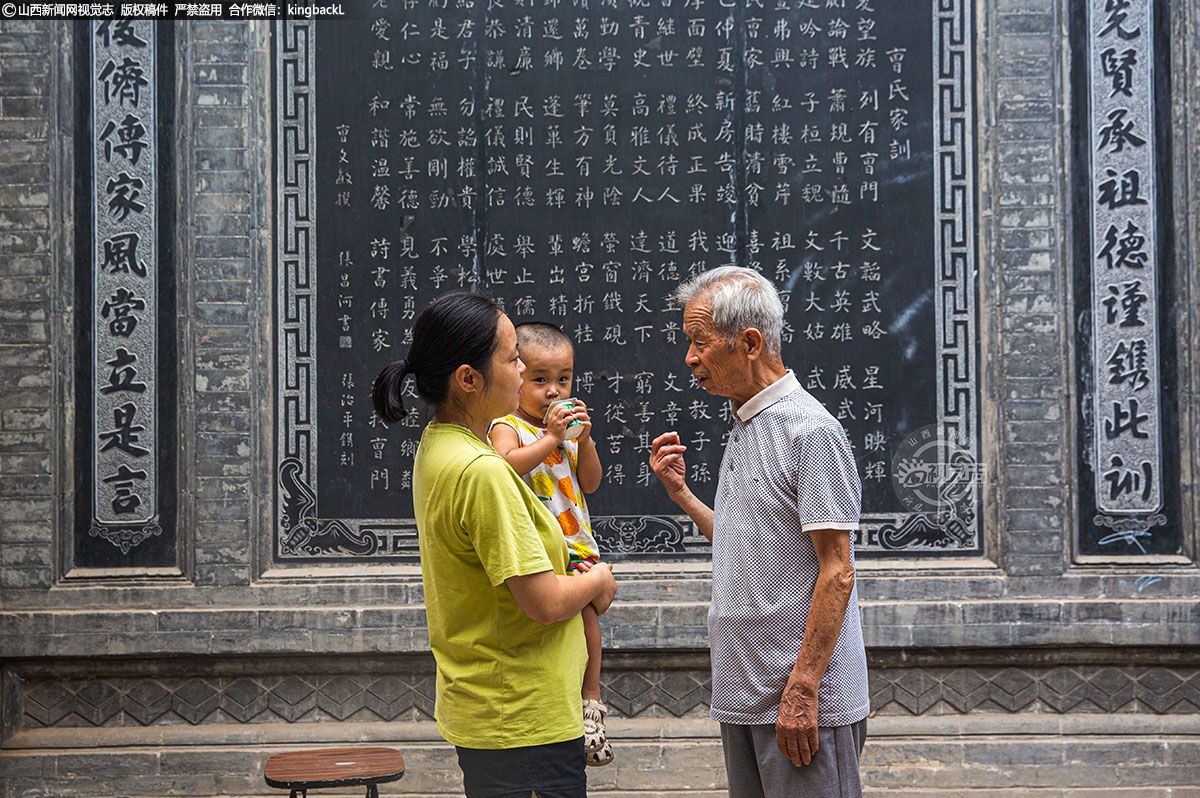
(548, 442)
(503, 613)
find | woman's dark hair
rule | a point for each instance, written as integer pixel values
(455, 328)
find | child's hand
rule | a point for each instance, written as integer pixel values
(556, 425)
(581, 415)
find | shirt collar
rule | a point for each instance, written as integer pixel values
(768, 396)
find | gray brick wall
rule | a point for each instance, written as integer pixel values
(1185, 110)
(28, 243)
(1032, 368)
(219, 331)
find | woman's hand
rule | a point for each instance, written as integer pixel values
(609, 590)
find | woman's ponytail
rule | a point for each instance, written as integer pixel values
(455, 329)
(385, 393)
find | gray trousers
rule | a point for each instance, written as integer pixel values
(757, 769)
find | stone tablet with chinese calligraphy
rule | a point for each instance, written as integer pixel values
(125, 428)
(1128, 455)
(577, 160)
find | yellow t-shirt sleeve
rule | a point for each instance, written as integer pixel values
(496, 510)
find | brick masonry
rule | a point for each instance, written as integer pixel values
(229, 662)
(28, 69)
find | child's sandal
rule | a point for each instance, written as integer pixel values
(595, 737)
(601, 757)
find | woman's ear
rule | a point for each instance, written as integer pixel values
(467, 379)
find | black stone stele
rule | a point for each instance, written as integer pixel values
(577, 164)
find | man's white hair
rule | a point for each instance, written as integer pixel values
(740, 298)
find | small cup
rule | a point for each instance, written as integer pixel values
(575, 428)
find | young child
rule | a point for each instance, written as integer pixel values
(560, 471)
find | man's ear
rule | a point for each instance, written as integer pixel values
(752, 343)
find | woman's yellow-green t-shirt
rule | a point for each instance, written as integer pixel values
(503, 680)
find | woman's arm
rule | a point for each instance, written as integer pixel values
(549, 598)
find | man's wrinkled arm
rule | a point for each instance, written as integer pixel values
(796, 729)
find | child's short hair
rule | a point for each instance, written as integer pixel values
(541, 334)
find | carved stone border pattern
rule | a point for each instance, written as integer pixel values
(955, 287)
(408, 694)
(300, 532)
(954, 235)
(296, 430)
(1065, 689)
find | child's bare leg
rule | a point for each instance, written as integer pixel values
(591, 676)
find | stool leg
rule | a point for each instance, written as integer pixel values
(372, 791)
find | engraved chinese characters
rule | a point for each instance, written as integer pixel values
(1129, 458)
(577, 161)
(124, 277)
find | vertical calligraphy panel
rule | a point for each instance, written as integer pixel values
(125, 415)
(1128, 502)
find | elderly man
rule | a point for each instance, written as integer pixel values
(789, 671)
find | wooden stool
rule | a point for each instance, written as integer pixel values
(301, 771)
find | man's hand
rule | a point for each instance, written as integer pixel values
(666, 461)
(796, 728)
